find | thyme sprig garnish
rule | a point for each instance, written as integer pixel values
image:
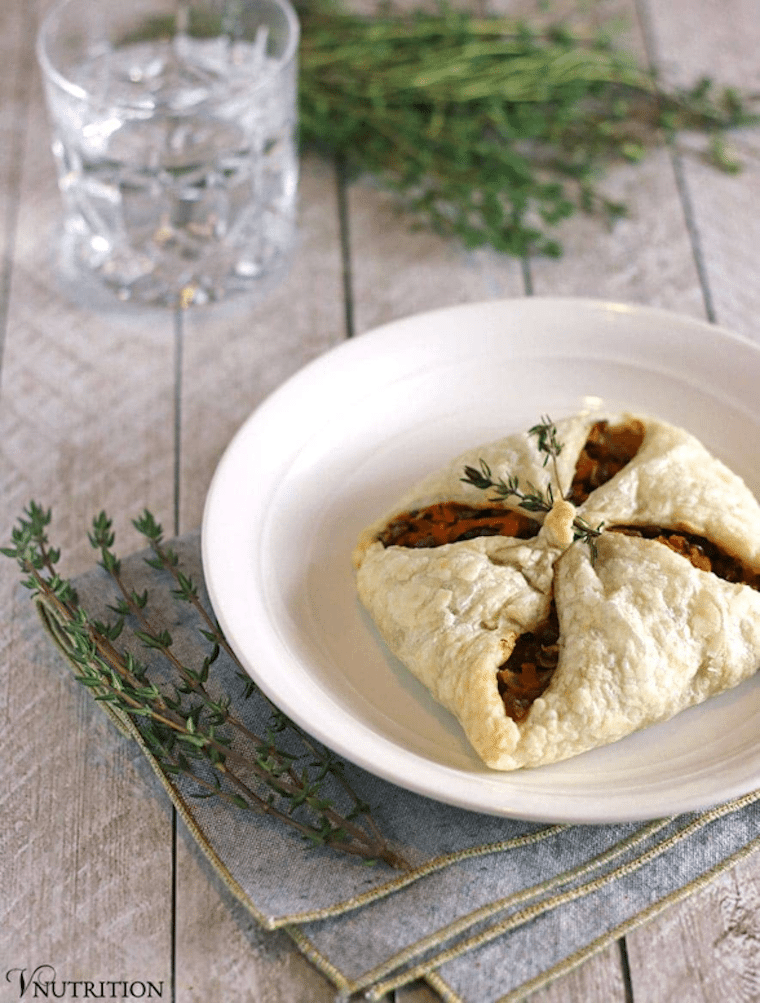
(532, 498)
(547, 442)
(547, 438)
(190, 729)
(492, 130)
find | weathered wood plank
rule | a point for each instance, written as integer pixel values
(86, 860)
(398, 271)
(645, 258)
(233, 357)
(15, 81)
(724, 232)
(705, 948)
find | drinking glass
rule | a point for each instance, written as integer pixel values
(174, 136)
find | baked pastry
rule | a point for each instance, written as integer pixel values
(559, 589)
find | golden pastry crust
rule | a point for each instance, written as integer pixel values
(643, 633)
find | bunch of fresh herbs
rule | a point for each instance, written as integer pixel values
(187, 726)
(488, 129)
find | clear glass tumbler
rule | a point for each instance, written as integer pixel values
(174, 134)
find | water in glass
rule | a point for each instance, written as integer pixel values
(178, 167)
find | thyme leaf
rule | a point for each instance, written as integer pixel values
(548, 443)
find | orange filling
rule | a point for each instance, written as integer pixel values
(607, 450)
(450, 522)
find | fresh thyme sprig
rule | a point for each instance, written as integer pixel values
(188, 729)
(491, 130)
(165, 558)
(534, 499)
(548, 443)
(547, 438)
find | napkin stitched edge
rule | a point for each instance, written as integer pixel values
(515, 920)
(577, 958)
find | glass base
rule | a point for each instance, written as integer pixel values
(98, 285)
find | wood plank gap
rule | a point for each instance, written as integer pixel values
(341, 184)
(650, 47)
(527, 276)
(21, 96)
(179, 332)
(625, 966)
(693, 230)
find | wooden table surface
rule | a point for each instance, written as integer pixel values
(122, 412)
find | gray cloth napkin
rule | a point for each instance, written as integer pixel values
(480, 892)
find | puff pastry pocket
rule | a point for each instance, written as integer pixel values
(541, 645)
(645, 634)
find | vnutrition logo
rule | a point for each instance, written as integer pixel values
(43, 983)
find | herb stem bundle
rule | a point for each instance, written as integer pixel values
(187, 729)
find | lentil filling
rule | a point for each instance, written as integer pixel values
(607, 450)
(703, 553)
(450, 522)
(528, 671)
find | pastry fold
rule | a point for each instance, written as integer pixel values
(643, 632)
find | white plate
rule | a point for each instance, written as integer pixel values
(335, 446)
